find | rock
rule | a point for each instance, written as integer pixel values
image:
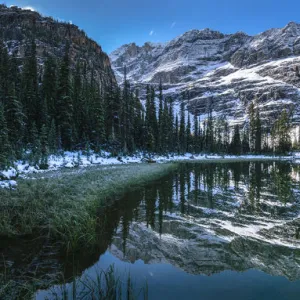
(69, 165)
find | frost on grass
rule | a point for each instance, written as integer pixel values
(72, 160)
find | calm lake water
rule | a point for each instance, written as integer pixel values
(206, 231)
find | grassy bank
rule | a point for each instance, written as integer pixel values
(65, 207)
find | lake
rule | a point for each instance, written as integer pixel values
(205, 231)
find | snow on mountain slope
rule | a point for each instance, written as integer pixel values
(230, 69)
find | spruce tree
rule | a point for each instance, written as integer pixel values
(112, 111)
(245, 141)
(182, 130)
(44, 147)
(176, 136)
(196, 134)
(189, 143)
(257, 132)
(236, 146)
(49, 87)
(171, 141)
(65, 103)
(4, 73)
(15, 121)
(52, 138)
(153, 118)
(5, 149)
(49, 92)
(226, 138)
(160, 119)
(29, 90)
(150, 120)
(35, 145)
(210, 129)
(283, 128)
(252, 132)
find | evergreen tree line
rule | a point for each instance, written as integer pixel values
(46, 109)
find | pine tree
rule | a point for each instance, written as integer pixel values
(79, 104)
(5, 149)
(252, 132)
(65, 103)
(4, 72)
(35, 145)
(112, 111)
(171, 140)
(226, 137)
(138, 123)
(52, 138)
(236, 146)
(218, 136)
(44, 147)
(29, 90)
(182, 130)
(257, 132)
(189, 142)
(160, 120)
(176, 136)
(209, 136)
(97, 116)
(196, 134)
(49, 92)
(283, 128)
(245, 141)
(15, 120)
(150, 120)
(153, 118)
(165, 127)
(126, 120)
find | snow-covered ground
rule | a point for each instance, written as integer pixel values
(78, 159)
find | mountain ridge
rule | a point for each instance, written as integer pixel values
(234, 69)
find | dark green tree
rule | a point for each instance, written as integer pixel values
(182, 130)
(5, 149)
(236, 146)
(257, 132)
(65, 103)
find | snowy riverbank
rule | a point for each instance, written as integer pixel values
(78, 159)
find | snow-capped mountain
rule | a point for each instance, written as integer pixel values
(231, 69)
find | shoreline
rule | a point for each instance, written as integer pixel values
(72, 160)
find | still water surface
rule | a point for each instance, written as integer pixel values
(206, 231)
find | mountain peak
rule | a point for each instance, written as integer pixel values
(202, 34)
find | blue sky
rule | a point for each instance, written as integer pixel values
(113, 23)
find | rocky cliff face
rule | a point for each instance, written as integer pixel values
(232, 70)
(18, 27)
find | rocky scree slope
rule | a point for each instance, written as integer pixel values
(18, 27)
(229, 69)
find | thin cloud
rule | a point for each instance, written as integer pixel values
(173, 25)
(151, 32)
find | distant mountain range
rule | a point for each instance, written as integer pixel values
(230, 69)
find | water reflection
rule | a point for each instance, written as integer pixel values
(215, 206)
(208, 218)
